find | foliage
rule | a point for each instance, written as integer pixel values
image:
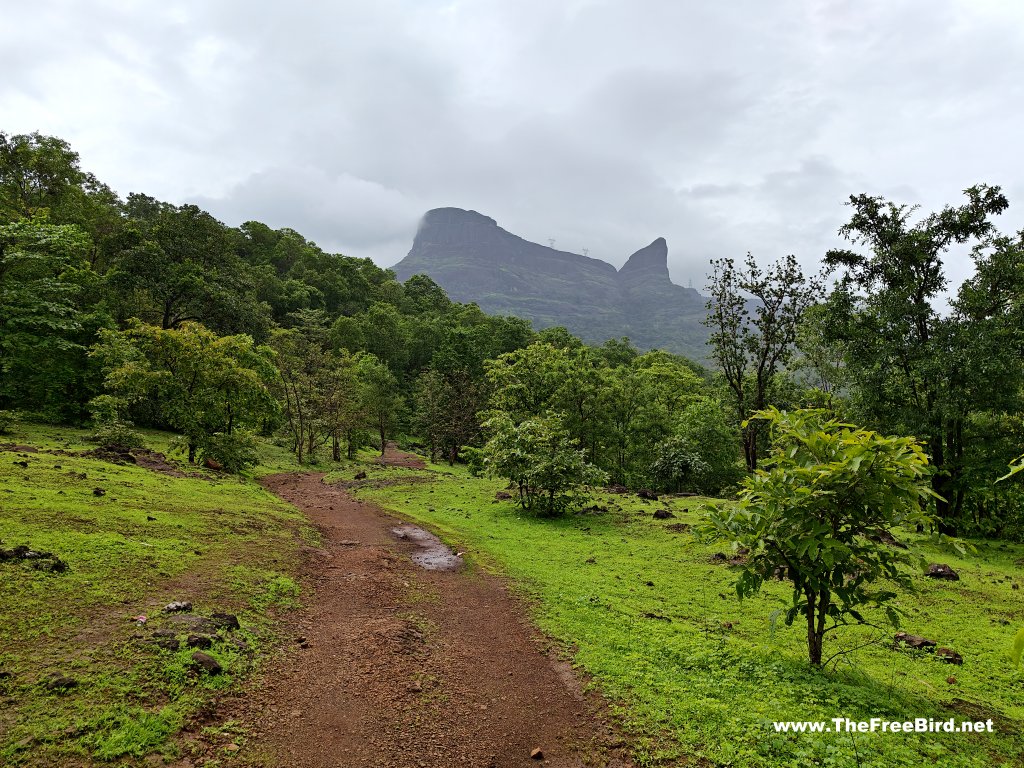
(118, 434)
(678, 465)
(380, 398)
(816, 514)
(189, 379)
(1017, 650)
(8, 420)
(235, 451)
(946, 377)
(751, 349)
(539, 458)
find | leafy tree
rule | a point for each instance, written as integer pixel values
(380, 397)
(750, 349)
(541, 460)
(45, 318)
(914, 366)
(190, 380)
(678, 465)
(815, 517)
(446, 410)
(705, 427)
(179, 264)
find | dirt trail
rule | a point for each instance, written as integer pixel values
(403, 667)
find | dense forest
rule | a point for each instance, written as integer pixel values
(131, 313)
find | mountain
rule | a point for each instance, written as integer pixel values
(475, 260)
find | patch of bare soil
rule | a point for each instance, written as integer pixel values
(395, 457)
(16, 448)
(394, 666)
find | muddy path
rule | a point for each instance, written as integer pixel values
(397, 666)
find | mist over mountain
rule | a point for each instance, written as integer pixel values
(475, 260)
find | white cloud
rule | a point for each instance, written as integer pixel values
(725, 127)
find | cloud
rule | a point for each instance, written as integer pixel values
(599, 123)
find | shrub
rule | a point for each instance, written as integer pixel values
(541, 460)
(677, 465)
(817, 515)
(117, 434)
(7, 421)
(235, 452)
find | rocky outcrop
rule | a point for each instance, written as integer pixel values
(475, 260)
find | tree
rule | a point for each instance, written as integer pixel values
(541, 460)
(380, 397)
(817, 514)
(914, 366)
(750, 350)
(190, 380)
(179, 264)
(45, 283)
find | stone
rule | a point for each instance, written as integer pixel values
(164, 633)
(167, 643)
(646, 493)
(98, 492)
(199, 641)
(949, 656)
(178, 606)
(502, 496)
(913, 641)
(951, 680)
(663, 514)
(51, 565)
(207, 663)
(941, 571)
(60, 683)
(537, 753)
(226, 621)
(360, 476)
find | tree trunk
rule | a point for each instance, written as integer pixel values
(942, 485)
(191, 452)
(750, 447)
(815, 625)
(335, 447)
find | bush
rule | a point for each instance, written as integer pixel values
(678, 466)
(7, 421)
(118, 434)
(235, 452)
(541, 460)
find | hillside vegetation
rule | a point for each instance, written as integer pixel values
(649, 612)
(82, 674)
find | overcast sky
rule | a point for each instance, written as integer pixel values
(722, 126)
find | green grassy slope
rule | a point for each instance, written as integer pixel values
(220, 542)
(701, 676)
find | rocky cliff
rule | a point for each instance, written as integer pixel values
(474, 259)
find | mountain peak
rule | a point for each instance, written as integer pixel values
(651, 260)
(475, 260)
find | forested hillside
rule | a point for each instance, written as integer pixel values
(120, 312)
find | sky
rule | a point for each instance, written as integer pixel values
(725, 127)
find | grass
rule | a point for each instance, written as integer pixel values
(700, 677)
(134, 540)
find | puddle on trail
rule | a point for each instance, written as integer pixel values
(432, 554)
